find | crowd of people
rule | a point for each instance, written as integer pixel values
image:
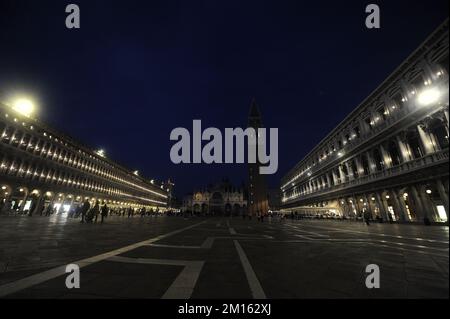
(87, 212)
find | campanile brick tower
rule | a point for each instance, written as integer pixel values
(257, 189)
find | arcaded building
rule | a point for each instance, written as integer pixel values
(40, 166)
(387, 159)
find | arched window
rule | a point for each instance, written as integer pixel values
(394, 153)
(414, 144)
(365, 164)
(344, 169)
(354, 168)
(438, 129)
(378, 160)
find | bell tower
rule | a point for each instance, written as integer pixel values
(257, 188)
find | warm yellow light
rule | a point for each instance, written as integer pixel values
(101, 152)
(429, 96)
(24, 106)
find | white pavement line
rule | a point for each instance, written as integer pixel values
(232, 231)
(183, 285)
(304, 237)
(378, 234)
(255, 286)
(39, 278)
(207, 244)
(313, 233)
(410, 250)
(173, 246)
(375, 241)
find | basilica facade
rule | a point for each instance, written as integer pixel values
(220, 199)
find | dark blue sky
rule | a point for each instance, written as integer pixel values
(138, 69)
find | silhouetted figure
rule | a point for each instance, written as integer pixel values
(84, 209)
(95, 211)
(366, 217)
(104, 211)
(32, 208)
(49, 210)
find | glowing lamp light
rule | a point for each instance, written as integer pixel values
(101, 152)
(24, 106)
(428, 191)
(428, 96)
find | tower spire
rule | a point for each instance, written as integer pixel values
(258, 202)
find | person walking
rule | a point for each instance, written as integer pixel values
(32, 208)
(84, 209)
(49, 209)
(104, 212)
(366, 215)
(96, 211)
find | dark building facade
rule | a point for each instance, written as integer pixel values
(257, 187)
(220, 199)
(39, 166)
(389, 157)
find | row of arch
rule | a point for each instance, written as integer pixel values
(54, 160)
(427, 202)
(414, 143)
(383, 108)
(24, 200)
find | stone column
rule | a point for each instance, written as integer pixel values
(397, 205)
(350, 171)
(386, 157)
(425, 139)
(372, 165)
(442, 194)
(364, 127)
(368, 205)
(359, 166)
(427, 204)
(324, 184)
(418, 205)
(12, 137)
(335, 178)
(341, 174)
(328, 179)
(404, 216)
(403, 149)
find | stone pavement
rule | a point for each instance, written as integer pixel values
(172, 257)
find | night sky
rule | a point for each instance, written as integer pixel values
(137, 69)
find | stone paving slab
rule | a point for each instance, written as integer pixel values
(292, 259)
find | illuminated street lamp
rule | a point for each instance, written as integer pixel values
(101, 152)
(136, 173)
(24, 106)
(428, 96)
